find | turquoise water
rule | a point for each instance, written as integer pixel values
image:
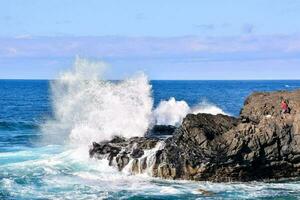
(35, 166)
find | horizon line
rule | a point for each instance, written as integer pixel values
(34, 79)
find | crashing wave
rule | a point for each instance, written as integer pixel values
(89, 108)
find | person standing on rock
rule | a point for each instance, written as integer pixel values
(284, 106)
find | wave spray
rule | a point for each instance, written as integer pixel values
(88, 108)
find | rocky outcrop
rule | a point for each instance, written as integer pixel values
(261, 144)
(119, 151)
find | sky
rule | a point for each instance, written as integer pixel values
(170, 39)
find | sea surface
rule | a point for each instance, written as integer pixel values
(35, 166)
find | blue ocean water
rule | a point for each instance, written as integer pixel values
(30, 169)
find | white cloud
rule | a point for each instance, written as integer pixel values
(190, 47)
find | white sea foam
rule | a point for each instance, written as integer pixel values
(169, 190)
(88, 108)
(172, 112)
(208, 108)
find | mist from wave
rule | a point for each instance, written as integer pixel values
(88, 108)
(172, 112)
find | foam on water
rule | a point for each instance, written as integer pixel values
(58, 172)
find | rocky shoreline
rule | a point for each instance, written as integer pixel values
(262, 143)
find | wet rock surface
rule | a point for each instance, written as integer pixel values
(261, 144)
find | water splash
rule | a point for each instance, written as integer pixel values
(88, 108)
(144, 165)
(208, 108)
(172, 112)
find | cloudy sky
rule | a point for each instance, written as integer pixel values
(201, 39)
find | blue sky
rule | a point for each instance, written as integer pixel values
(201, 39)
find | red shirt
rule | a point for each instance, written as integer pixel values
(284, 106)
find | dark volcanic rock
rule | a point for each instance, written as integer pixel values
(261, 144)
(119, 151)
(261, 104)
(194, 145)
(137, 153)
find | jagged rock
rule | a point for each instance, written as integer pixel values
(258, 145)
(137, 153)
(120, 151)
(262, 104)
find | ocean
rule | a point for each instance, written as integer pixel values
(46, 128)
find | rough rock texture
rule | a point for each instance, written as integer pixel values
(120, 151)
(261, 144)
